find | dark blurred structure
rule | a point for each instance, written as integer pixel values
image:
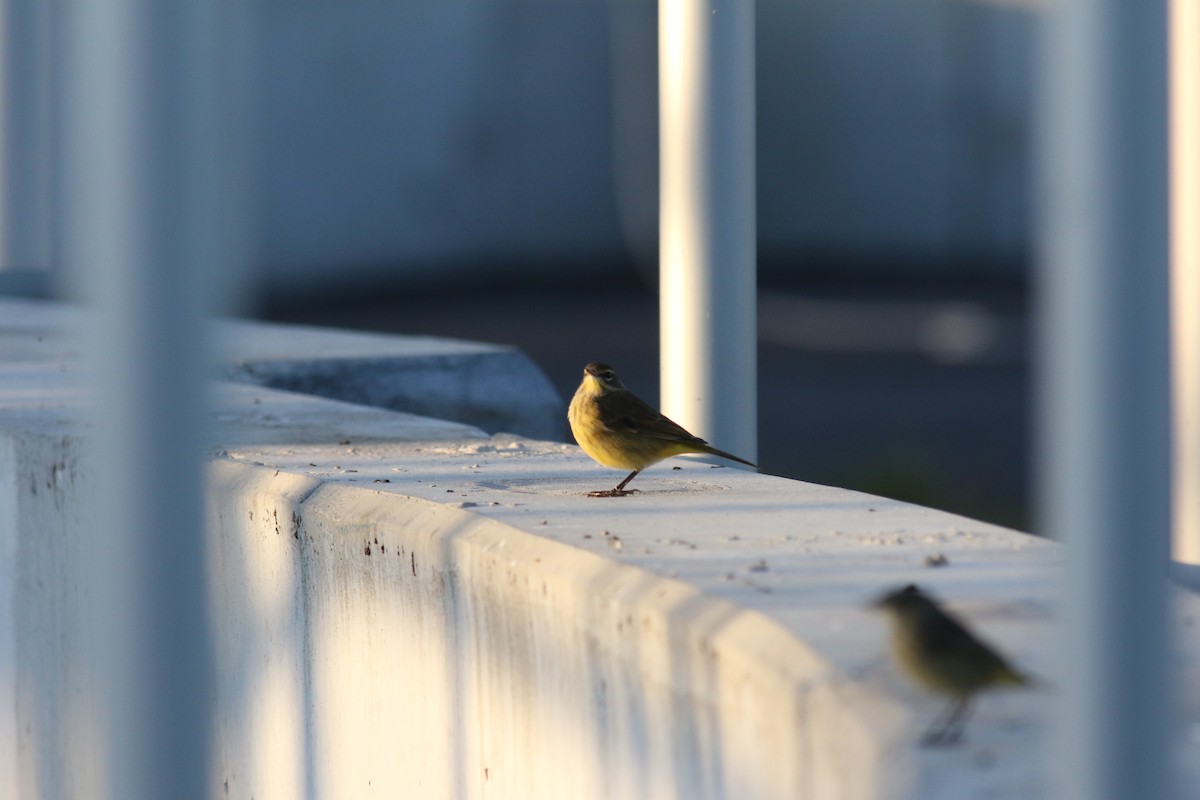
(489, 171)
(505, 189)
(467, 137)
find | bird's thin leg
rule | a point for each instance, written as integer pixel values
(958, 720)
(937, 728)
(950, 729)
(621, 486)
(620, 491)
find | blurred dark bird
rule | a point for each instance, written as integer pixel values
(937, 651)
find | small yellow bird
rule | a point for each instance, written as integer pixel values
(618, 429)
(936, 650)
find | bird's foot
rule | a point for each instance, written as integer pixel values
(613, 493)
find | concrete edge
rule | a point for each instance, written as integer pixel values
(496, 388)
(725, 700)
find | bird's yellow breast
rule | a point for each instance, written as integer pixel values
(613, 447)
(596, 439)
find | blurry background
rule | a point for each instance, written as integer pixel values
(488, 170)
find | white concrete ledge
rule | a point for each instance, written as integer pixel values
(493, 387)
(406, 607)
(489, 386)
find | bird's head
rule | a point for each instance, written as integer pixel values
(908, 600)
(599, 378)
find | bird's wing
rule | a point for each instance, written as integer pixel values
(943, 634)
(946, 637)
(629, 412)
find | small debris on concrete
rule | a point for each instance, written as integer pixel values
(936, 560)
(682, 543)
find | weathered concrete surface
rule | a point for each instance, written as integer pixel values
(405, 607)
(489, 386)
(572, 647)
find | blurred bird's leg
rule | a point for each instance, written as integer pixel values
(952, 723)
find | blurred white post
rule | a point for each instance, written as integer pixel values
(1185, 275)
(707, 326)
(143, 244)
(1104, 387)
(25, 133)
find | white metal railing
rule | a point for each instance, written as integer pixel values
(1185, 276)
(1104, 439)
(707, 220)
(142, 175)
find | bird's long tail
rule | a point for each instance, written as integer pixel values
(708, 448)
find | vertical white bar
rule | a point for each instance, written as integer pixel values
(707, 223)
(139, 180)
(1185, 275)
(1104, 386)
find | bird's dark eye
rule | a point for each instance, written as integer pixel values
(608, 375)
